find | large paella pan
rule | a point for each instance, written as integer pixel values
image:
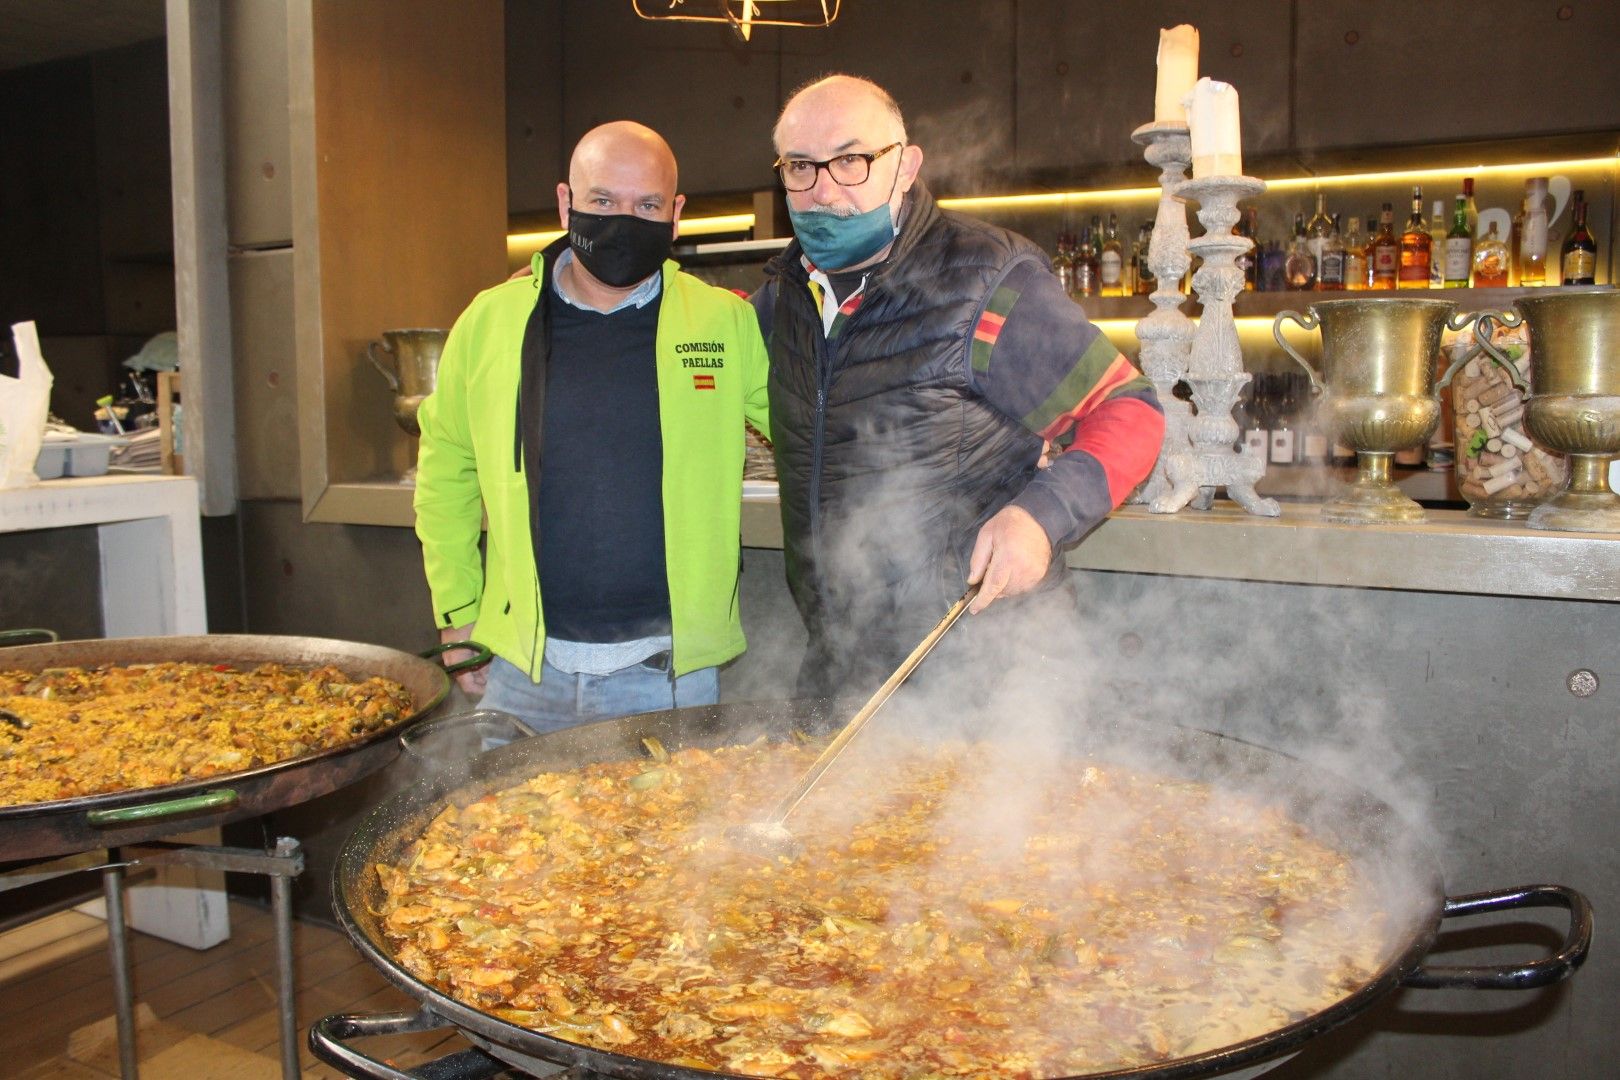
(42, 829)
(1368, 830)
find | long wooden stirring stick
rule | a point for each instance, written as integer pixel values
(773, 829)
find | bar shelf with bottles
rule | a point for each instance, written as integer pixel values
(1354, 185)
(1449, 251)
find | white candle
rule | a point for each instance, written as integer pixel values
(1178, 70)
(1212, 117)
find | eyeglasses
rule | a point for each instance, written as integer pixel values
(848, 169)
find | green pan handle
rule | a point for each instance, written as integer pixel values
(37, 636)
(481, 655)
(218, 799)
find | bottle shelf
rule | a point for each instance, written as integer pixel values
(1268, 304)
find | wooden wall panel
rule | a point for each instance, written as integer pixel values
(1086, 75)
(410, 193)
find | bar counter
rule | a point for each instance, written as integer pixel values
(1451, 552)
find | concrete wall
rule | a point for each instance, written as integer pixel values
(1051, 89)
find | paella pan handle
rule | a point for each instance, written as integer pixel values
(480, 655)
(326, 1040)
(32, 636)
(217, 799)
(1544, 972)
(490, 721)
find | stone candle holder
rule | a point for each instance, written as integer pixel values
(1215, 367)
(1167, 334)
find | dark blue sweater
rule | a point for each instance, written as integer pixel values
(602, 573)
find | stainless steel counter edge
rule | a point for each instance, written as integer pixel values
(1451, 552)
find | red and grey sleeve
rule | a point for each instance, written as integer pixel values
(1035, 357)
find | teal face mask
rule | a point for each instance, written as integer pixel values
(834, 242)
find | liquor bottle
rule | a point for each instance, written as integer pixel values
(1242, 416)
(1330, 270)
(1248, 227)
(1459, 247)
(1063, 262)
(1257, 432)
(1384, 252)
(1086, 272)
(1284, 443)
(1316, 232)
(1273, 269)
(1491, 261)
(1438, 228)
(1578, 260)
(1300, 265)
(1355, 257)
(1313, 438)
(1532, 255)
(1473, 209)
(1145, 281)
(1415, 245)
(1111, 262)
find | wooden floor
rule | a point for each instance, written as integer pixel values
(204, 1014)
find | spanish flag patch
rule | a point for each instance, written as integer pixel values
(703, 382)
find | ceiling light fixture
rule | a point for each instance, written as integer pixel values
(742, 15)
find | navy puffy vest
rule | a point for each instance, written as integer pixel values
(888, 461)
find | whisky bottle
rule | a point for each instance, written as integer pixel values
(1111, 262)
(1063, 263)
(1578, 260)
(1415, 247)
(1384, 252)
(1330, 268)
(1459, 247)
(1355, 257)
(1285, 447)
(1473, 208)
(1086, 273)
(1491, 261)
(1300, 265)
(1316, 232)
(1145, 281)
(1438, 228)
(1532, 254)
(1249, 261)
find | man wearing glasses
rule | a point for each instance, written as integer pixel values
(923, 366)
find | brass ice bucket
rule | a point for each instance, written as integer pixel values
(1574, 405)
(412, 369)
(1380, 393)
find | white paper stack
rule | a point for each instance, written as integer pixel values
(140, 451)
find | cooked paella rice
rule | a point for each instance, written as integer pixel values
(1137, 918)
(70, 732)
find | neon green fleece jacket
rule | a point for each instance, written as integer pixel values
(711, 376)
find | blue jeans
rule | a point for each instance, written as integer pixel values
(561, 700)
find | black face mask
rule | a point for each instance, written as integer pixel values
(619, 249)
